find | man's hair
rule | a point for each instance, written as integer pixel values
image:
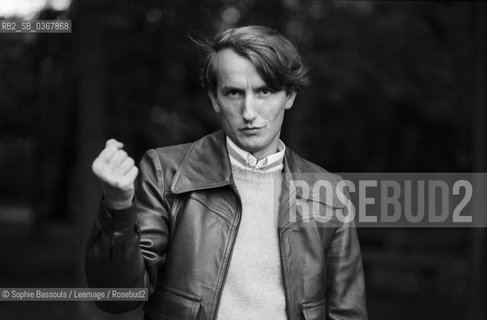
(274, 57)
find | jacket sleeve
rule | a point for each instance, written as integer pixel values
(345, 288)
(126, 247)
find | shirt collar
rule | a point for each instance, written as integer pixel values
(244, 159)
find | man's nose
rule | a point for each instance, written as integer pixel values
(248, 109)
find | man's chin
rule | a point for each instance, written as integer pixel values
(251, 146)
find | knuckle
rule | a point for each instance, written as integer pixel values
(94, 165)
(122, 154)
(112, 148)
(109, 142)
(97, 168)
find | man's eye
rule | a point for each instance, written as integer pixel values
(265, 91)
(233, 93)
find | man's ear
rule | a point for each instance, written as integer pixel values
(290, 96)
(214, 103)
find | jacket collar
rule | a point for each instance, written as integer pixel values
(298, 169)
(207, 165)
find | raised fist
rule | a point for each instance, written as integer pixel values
(116, 172)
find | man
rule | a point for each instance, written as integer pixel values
(213, 228)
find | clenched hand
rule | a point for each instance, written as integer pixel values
(116, 172)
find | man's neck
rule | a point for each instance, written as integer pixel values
(270, 160)
(271, 149)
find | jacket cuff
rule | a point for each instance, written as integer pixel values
(118, 218)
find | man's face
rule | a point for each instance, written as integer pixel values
(250, 112)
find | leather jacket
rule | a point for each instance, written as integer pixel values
(177, 239)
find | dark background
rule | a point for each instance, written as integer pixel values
(397, 87)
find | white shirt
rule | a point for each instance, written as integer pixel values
(244, 159)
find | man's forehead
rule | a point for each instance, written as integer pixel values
(234, 69)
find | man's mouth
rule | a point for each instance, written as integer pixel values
(250, 130)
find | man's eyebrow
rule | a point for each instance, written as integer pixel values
(264, 86)
(230, 87)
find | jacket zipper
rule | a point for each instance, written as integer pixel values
(284, 277)
(229, 259)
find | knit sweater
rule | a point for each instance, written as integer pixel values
(254, 288)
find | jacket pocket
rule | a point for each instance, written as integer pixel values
(314, 310)
(170, 304)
